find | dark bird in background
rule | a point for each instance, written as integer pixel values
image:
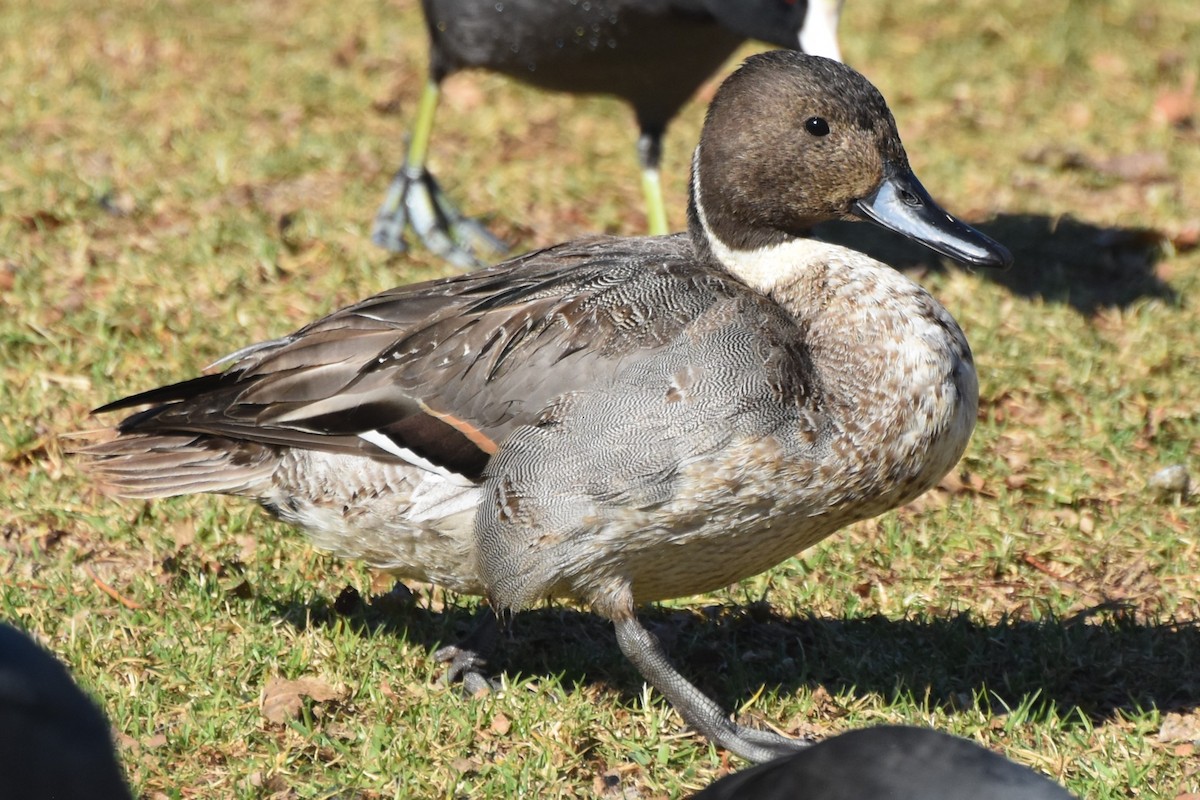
(653, 54)
(889, 762)
(55, 743)
(615, 420)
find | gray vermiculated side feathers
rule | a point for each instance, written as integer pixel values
(402, 362)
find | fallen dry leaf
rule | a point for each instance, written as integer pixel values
(1180, 728)
(465, 765)
(500, 725)
(8, 275)
(1186, 238)
(247, 547)
(157, 740)
(952, 482)
(183, 533)
(1016, 481)
(1150, 166)
(136, 746)
(965, 483)
(1177, 106)
(283, 699)
(349, 50)
(40, 220)
(464, 96)
(275, 784)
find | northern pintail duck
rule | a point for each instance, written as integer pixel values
(888, 762)
(653, 54)
(615, 420)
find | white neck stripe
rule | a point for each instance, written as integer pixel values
(765, 267)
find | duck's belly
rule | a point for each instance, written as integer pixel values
(732, 515)
(725, 524)
(409, 522)
(748, 508)
(727, 548)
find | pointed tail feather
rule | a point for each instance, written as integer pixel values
(144, 466)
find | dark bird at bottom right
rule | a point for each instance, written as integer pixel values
(889, 762)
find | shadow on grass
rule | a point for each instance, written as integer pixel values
(1092, 668)
(1058, 259)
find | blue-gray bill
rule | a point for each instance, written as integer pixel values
(901, 204)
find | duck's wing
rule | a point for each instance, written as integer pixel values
(437, 374)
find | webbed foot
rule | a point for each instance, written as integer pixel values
(415, 200)
(468, 660)
(752, 744)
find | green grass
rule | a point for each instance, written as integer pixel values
(178, 180)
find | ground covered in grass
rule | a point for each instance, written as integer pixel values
(179, 179)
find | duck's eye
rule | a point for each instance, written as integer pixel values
(817, 126)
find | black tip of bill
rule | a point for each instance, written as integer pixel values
(901, 204)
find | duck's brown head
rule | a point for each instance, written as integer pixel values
(792, 140)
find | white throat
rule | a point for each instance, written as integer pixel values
(762, 268)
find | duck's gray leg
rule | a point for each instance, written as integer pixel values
(640, 647)
(468, 658)
(415, 200)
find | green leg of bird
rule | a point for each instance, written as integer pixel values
(415, 200)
